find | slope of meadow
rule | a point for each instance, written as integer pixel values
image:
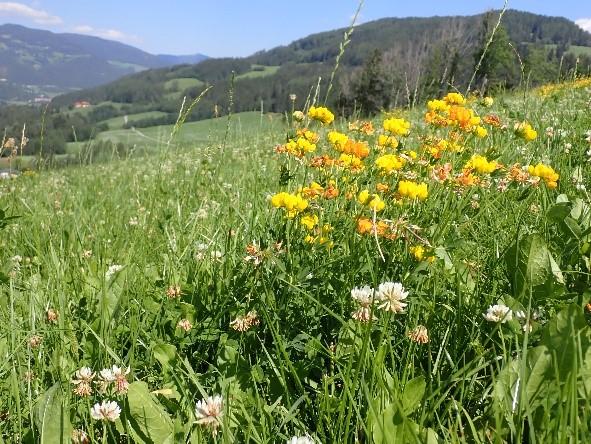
(418, 278)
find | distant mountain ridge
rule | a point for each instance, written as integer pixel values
(425, 53)
(34, 61)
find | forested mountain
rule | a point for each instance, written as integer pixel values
(387, 63)
(417, 55)
(34, 61)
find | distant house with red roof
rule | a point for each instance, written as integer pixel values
(82, 104)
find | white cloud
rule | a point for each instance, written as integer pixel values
(584, 23)
(13, 9)
(110, 34)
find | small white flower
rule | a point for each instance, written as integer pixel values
(113, 269)
(202, 213)
(82, 381)
(498, 313)
(363, 295)
(390, 296)
(527, 323)
(80, 437)
(106, 411)
(184, 324)
(84, 374)
(209, 412)
(300, 440)
(363, 314)
(107, 375)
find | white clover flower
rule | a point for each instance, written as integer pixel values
(498, 313)
(120, 375)
(527, 322)
(209, 412)
(82, 381)
(300, 440)
(363, 295)
(106, 411)
(107, 375)
(113, 269)
(80, 437)
(390, 296)
(85, 374)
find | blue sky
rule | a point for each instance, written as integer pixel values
(241, 27)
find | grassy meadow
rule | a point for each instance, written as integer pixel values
(418, 278)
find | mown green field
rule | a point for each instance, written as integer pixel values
(119, 122)
(416, 284)
(258, 71)
(242, 125)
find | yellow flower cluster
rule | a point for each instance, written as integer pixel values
(488, 102)
(309, 221)
(321, 114)
(420, 253)
(451, 112)
(376, 175)
(464, 118)
(453, 98)
(480, 132)
(546, 173)
(313, 191)
(481, 165)
(316, 190)
(352, 162)
(388, 163)
(399, 127)
(310, 136)
(412, 190)
(338, 140)
(546, 90)
(387, 141)
(525, 131)
(291, 203)
(299, 147)
(320, 237)
(374, 201)
(439, 106)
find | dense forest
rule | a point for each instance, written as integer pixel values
(386, 63)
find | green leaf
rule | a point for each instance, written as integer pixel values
(567, 336)
(392, 426)
(164, 353)
(557, 212)
(52, 418)
(413, 394)
(533, 269)
(148, 418)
